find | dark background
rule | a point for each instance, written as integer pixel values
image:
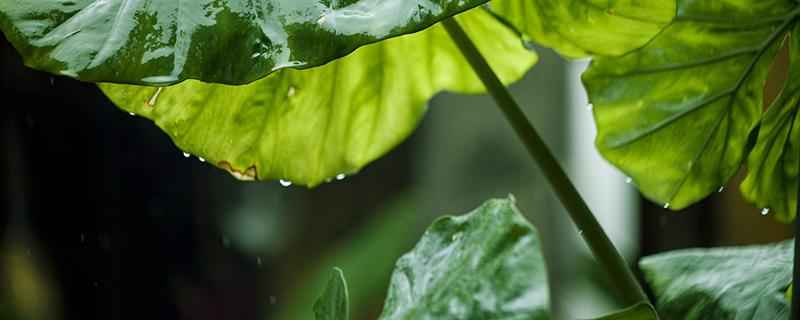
(103, 218)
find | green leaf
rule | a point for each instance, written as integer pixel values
(772, 165)
(639, 311)
(722, 283)
(332, 303)
(677, 114)
(579, 28)
(486, 264)
(235, 41)
(307, 126)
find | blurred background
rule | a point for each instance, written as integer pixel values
(102, 217)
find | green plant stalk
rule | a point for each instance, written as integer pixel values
(603, 250)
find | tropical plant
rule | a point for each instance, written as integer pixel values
(310, 91)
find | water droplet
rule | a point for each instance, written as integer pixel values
(152, 101)
(52, 81)
(186, 155)
(628, 180)
(328, 180)
(83, 239)
(580, 231)
(765, 211)
(291, 92)
(131, 113)
(95, 284)
(285, 183)
(721, 188)
(340, 176)
(666, 205)
(272, 299)
(589, 107)
(201, 159)
(456, 236)
(258, 260)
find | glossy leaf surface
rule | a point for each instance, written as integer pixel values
(235, 41)
(307, 126)
(640, 311)
(332, 304)
(486, 264)
(677, 114)
(722, 283)
(579, 28)
(772, 165)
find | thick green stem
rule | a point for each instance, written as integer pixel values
(604, 251)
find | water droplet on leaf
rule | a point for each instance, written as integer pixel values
(666, 205)
(201, 159)
(721, 188)
(285, 183)
(186, 155)
(765, 211)
(340, 176)
(628, 180)
(589, 107)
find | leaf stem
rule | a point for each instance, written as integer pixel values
(603, 250)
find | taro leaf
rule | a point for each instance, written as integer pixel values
(235, 41)
(722, 283)
(639, 311)
(332, 303)
(578, 28)
(307, 126)
(486, 264)
(676, 115)
(773, 163)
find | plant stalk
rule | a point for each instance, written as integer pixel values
(603, 250)
(796, 265)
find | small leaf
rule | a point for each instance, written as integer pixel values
(308, 126)
(579, 28)
(332, 303)
(772, 166)
(676, 116)
(639, 311)
(722, 283)
(486, 264)
(162, 42)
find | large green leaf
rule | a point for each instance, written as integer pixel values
(676, 115)
(234, 41)
(772, 165)
(486, 264)
(578, 28)
(332, 304)
(722, 283)
(307, 126)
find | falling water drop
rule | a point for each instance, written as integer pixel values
(52, 81)
(340, 176)
(666, 205)
(765, 211)
(258, 260)
(272, 299)
(201, 159)
(186, 155)
(82, 238)
(628, 180)
(152, 101)
(285, 183)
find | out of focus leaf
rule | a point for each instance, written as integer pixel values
(307, 126)
(676, 116)
(332, 304)
(722, 283)
(639, 311)
(486, 264)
